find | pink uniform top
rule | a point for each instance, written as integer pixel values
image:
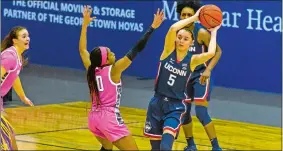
(12, 64)
(109, 92)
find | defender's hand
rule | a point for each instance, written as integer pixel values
(158, 19)
(86, 15)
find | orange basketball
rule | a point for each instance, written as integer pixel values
(210, 16)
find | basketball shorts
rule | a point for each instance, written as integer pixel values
(107, 123)
(163, 113)
(197, 91)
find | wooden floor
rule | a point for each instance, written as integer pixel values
(64, 127)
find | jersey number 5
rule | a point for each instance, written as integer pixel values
(171, 80)
(99, 83)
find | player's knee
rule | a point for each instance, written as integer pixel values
(202, 115)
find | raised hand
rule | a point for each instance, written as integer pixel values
(86, 15)
(27, 101)
(158, 19)
(196, 15)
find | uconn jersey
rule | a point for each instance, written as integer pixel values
(172, 76)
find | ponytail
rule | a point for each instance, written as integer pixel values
(92, 84)
(95, 59)
(6, 43)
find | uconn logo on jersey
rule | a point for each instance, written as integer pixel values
(168, 66)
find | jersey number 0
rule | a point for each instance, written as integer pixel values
(99, 83)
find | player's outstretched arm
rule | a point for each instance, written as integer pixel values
(125, 62)
(83, 39)
(202, 58)
(169, 44)
(9, 63)
(17, 86)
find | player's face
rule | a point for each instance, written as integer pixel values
(186, 13)
(110, 57)
(183, 40)
(23, 40)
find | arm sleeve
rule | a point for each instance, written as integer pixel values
(140, 44)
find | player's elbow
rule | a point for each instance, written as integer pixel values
(173, 28)
(219, 51)
(81, 52)
(210, 54)
(81, 49)
(80, 46)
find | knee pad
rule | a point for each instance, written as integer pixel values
(202, 115)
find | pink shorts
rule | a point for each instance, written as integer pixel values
(107, 123)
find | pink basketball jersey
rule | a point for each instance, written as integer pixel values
(12, 64)
(109, 92)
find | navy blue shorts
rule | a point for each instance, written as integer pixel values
(164, 113)
(198, 92)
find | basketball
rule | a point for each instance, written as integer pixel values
(210, 16)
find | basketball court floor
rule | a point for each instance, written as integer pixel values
(244, 120)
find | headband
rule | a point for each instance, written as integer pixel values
(103, 51)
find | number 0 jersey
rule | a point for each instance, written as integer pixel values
(109, 92)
